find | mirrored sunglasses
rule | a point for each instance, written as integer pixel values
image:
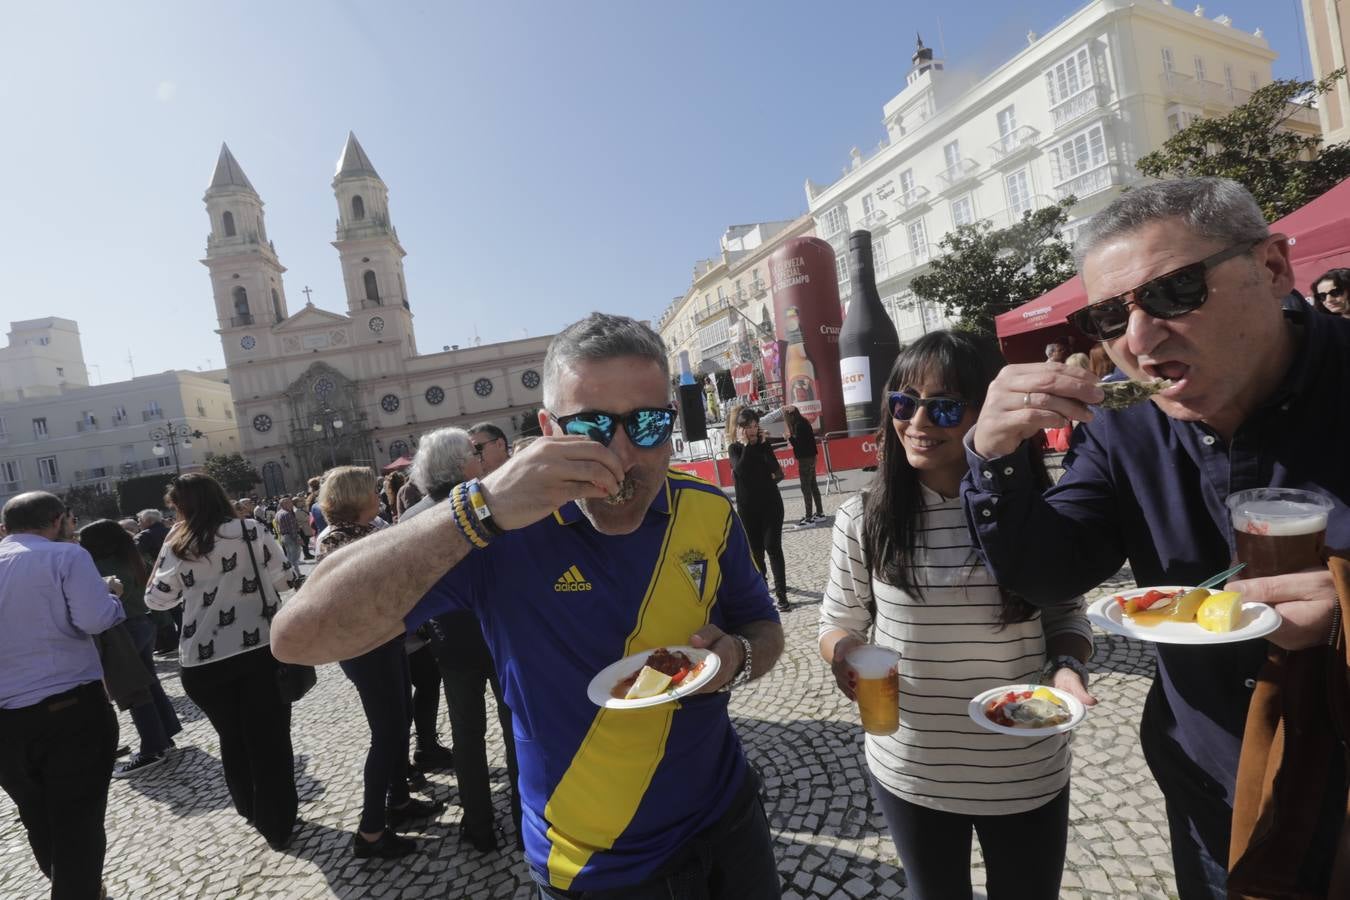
(646, 428)
(944, 412)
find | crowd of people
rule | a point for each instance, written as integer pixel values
(526, 570)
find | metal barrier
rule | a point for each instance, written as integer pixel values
(832, 482)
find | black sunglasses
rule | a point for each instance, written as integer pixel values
(944, 412)
(1334, 292)
(646, 428)
(1165, 297)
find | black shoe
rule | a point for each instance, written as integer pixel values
(783, 604)
(803, 521)
(435, 756)
(416, 780)
(137, 763)
(414, 809)
(122, 751)
(387, 846)
(483, 842)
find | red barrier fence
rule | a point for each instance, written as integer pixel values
(837, 454)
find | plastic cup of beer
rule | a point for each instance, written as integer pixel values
(878, 688)
(1278, 530)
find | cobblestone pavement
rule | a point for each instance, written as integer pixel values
(172, 833)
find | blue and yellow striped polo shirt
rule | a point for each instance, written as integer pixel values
(610, 795)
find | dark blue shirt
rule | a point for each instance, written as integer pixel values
(1142, 487)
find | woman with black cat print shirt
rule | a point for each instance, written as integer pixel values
(227, 665)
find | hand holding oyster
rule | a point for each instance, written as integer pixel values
(1123, 394)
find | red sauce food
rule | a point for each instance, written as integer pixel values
(994, 709)
(677, 665)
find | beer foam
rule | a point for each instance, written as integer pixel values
(1279, 518)
(872, 662)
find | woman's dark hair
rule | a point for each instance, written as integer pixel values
(202, 508)
(1338, 277)
(107, 539)
(792, 418)
(747, 416)
(893, 506)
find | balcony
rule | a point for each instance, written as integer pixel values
(86, 425)
(92, 474)
(1015, 145)
(703, 315)
(907, 262)
(758, 288)
(150, 415)
(875, 218)
(1094, 181)
(914, 201)
(1091, 99)
(958, 175)
(1005, 218)
(241, 321)
(9, 487)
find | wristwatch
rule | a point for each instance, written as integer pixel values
(743, 674)
(1064, 661)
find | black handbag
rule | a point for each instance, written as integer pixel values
(293, 679)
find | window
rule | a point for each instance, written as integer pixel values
(9, 475)
(201, 408)
(1199, 68)
(4, 432)
(833, 222)
(918, 240)
(372, 289)
(61, 371)
(228, 220)
(841, 271)
(240, 302)
(1007, 121)
(1019, 193)
(152, 411)
(721, 295)
(1180, 119)
(867, 204)
(119, 414)
(1168, 66)
(40, 429)
(1081, 153)
(879, 258)
(1228, 80)
(47, 470)
(963, 211)
(740, 294)
(951, 155)
(276, 305)
(714, 333)
(358, 207)
(907, 186)
(1069, 76)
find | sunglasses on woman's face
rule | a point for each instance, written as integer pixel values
(646, 428)
(1165, 297)
(944, 412)
(1334, 292)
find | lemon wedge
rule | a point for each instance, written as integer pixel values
(1043, 693)
(649, 683)
(1220, 612)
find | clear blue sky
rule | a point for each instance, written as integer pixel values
(543, 158)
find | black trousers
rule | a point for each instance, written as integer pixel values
(239, 695)
(763, 520)
(426, 698)
(467, 668)
(56, 761)
(934, 848)
(806, 469)
(381, 678)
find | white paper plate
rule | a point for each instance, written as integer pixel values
(601, 685)
(1077, 711)
(1258, 620)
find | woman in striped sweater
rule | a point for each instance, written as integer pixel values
(905, 575)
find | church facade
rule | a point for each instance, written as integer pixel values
(317, 388)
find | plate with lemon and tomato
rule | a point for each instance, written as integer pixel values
(1183, 615)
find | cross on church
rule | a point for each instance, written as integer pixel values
(307, 292)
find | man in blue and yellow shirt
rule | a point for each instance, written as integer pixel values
(603, 552)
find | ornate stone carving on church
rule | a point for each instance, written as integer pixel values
(290, 344)
(339, 338)
(328, 426)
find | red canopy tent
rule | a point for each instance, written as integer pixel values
(1319, 233)
(397, 465)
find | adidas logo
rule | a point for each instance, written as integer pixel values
(571, 580)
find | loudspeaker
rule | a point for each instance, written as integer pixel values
(692, 420)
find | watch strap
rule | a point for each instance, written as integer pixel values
(747, 664)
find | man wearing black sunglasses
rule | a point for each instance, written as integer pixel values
(582, 550)
(1184, 282)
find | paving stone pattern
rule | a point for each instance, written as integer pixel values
(173, 834)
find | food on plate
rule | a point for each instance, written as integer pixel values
(1121, 394)
(1220, 612)
(1156, 607)
(663, 671)
(1039, 708)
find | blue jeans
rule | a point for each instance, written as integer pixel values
(156, 722)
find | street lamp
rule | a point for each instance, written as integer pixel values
(170, 433)
(328, 425)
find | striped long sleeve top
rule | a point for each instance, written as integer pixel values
(952, 647)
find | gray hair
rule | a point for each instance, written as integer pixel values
(150, 515)
(1216, 208)
(600, 336)
(440, 458)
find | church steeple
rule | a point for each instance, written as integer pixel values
(229, 175)
(367, 242)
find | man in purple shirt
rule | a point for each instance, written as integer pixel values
(58, 732)
(289, 531)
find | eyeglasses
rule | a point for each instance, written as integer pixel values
(1165, 297)
(1334, 292)
(646, 428)
(478, 450)
(944, 412)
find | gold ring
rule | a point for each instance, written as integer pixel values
(1026, 400)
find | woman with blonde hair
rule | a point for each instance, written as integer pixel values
(349, 500)
(228, 573)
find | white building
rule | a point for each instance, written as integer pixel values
(1069, 115)
(60, 437)
(42, 357)
(316, 387)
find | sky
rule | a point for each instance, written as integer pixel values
(543, 159)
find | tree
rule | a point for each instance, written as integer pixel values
(987, 271)
(234, 473)
(1283, 169)
(88, 504)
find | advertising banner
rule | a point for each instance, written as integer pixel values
(808, 318)
(743, 376)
